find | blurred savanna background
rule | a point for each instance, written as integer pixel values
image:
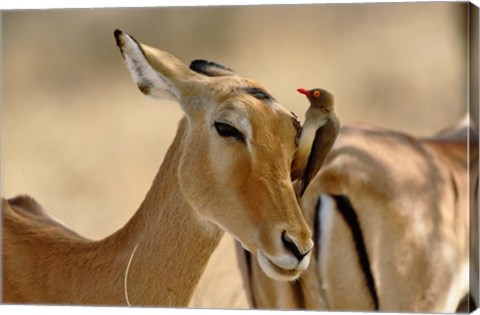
(79, 137)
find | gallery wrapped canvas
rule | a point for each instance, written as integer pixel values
(164, 157)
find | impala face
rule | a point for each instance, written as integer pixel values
(237, 150)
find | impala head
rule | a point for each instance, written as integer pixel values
(236, 154)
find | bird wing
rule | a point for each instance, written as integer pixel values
(322, 144)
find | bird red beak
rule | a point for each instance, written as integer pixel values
(303, 91)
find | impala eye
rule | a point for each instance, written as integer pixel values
(225, 130)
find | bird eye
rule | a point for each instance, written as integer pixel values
(225, 130)
(316, 93)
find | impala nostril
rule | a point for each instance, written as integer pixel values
(290, 245)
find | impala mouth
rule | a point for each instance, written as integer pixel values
(284, 272)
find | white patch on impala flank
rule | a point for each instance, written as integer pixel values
(460, 284)
(325, 221)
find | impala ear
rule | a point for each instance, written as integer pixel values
(209, 68)
(157, 73)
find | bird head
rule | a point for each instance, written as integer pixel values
(319, 98)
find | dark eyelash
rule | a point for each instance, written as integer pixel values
(225, 130)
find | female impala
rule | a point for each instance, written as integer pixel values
(390, 218)
(228, 169)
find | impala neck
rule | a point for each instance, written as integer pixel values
(174, 243)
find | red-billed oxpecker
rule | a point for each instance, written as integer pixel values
(317, 137)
